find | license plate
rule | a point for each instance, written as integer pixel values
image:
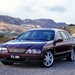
(15, 57)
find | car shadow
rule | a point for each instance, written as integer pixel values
(61, 63)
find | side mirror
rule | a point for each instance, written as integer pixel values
(59, 40)
(13, 38)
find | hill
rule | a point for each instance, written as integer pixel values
(14, 30)
(11, 26)
(46, 23)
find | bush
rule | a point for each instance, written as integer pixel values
(4, 39)
(1, 35)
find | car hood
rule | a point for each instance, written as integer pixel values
(25, 44)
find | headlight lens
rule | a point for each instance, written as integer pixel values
(33, 51)
(3, 50)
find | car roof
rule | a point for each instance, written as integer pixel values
(54, 29)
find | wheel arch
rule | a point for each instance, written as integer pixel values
(51, 50)
(74, 48)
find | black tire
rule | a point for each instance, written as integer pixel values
(48, 59)
(71, 56)
(7, 63)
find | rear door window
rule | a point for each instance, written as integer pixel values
(65, 36)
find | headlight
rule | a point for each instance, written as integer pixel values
(3, 50)
(33, 51)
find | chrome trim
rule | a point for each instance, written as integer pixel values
(63, 52)
(15, 50)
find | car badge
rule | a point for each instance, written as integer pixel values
(15, 50)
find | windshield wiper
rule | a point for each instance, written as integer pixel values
(27, 39)
(42, 39)
(24, 39)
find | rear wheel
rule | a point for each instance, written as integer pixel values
(48, 59)
(71, 56)
(6, 62)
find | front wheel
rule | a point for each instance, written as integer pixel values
(71, 56)
(6, 62)
(48, 59)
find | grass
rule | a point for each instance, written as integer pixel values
(72, 29)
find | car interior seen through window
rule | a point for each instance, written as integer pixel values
(58, 36)
(65, 35)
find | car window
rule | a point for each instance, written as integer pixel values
(42, 35)
(65, 35)
(58, 36)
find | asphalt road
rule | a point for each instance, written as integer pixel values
(60, 67)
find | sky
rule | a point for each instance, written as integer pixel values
(58, 10)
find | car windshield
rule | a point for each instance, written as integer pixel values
(44, 35)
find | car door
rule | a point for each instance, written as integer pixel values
(66, 40)
(59, 47)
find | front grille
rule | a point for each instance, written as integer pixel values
(15, 50)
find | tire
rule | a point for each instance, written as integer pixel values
(48, 59)
(6, 62)
(71, 56)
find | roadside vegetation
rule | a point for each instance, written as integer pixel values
(70, 29)
(4, 39)
(8, 31)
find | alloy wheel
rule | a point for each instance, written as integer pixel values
(48, 59)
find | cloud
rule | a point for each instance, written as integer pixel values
(9, 6)
(13, 6)
(59, 10)
(55, 8)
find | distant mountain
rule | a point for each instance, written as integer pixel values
(10, 20)
(72, 25)
(46, 23)
(11, 26)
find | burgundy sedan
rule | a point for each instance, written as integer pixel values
(42, 45)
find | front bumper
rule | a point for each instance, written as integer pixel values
(22, 57)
